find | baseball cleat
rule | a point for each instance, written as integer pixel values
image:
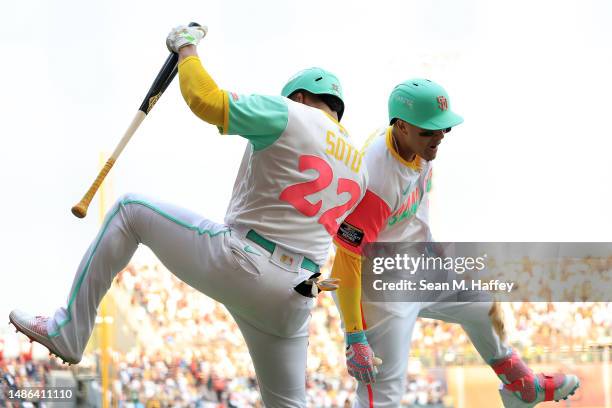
(522, 388)
(35, 328)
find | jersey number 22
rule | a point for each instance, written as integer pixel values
(296, 194)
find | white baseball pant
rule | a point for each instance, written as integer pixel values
(214, 259)
(389, 334)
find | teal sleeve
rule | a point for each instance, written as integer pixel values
(258, 118)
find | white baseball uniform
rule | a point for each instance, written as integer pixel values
(299, 178)
(395, 209)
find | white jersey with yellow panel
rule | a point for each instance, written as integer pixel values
(300, 175)
(395, 206)
(394, 209)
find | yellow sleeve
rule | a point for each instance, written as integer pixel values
(347, 268)
(201, 93)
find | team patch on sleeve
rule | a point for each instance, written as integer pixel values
(350, 234)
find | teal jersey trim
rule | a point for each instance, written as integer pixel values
(83, 274)
(258, 118)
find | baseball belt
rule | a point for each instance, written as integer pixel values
(304, 288)
(270, 246)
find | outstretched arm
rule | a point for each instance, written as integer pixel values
(347, 269)
(360, 227)
(199, 90)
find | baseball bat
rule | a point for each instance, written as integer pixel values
(161, 82)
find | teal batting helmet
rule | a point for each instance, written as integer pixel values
(422, 103)
(319, 82)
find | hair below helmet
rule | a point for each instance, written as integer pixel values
(319, 82)
(422, 103)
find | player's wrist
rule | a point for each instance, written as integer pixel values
(357, 337)
(187, 51)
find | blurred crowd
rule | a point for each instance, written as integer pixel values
(564, 279)
(191, 353)
(156, 383)
(23, 371)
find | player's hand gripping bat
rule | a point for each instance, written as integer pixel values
(163, 79)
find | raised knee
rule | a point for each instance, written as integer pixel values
(124, 201)
(126, 198)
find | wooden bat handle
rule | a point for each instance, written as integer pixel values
(161, 82)
(80, 210)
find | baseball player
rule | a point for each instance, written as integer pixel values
(299, 177)
(394, 209)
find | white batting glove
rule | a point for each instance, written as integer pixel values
(182, 36)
